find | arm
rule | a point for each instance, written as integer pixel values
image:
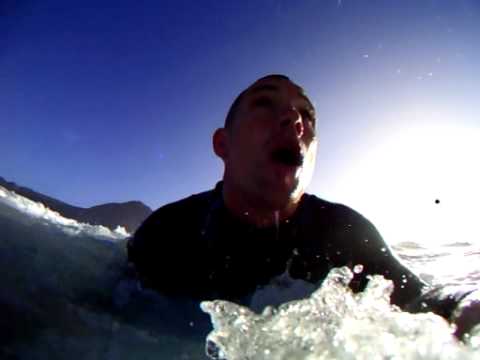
(460, 306)
(467, 313)
(168, 253)
(144, 251)
(368, 248)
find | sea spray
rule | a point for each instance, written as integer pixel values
(335, 323)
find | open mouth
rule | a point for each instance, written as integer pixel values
(288, 156)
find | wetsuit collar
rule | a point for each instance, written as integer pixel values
(219, 203)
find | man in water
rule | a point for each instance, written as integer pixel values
(258, 231)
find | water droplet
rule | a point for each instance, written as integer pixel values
(295, 252)
(277, 224)
(277, 217)
(191, 323)
(383, 249)
(357, 269)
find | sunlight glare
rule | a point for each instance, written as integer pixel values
(420, 185)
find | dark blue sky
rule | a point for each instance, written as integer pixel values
(117, 100)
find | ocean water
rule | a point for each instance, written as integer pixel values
(68, 293)
(456, 263)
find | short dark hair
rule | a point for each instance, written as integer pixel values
(236, 103)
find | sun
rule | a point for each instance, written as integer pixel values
(420, 184)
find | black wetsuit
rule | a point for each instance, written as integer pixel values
(195, 248)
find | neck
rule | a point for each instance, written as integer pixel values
(256, 212)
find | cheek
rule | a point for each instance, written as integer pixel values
(311, 154)
(254, 138)
(243, 151)
(250, 142)
(309, 133)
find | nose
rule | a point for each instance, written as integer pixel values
(291, 118)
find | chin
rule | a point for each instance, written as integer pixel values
(295, 188)
(284, 198)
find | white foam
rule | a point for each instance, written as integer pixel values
(335, 323)
(40, 212)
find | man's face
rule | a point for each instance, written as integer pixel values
(272, 144)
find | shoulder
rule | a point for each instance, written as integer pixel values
(335, 213)
(184, 211)
(170, 225)
(168, 240)
(339, 225)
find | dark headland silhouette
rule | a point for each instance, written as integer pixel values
(127, 214)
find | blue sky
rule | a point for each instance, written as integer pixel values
(117, 100)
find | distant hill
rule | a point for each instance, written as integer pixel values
(128, 214)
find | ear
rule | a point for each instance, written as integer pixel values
(220, 143)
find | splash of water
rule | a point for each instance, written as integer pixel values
(277, 224)
(335, 323)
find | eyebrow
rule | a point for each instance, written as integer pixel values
(270, 87)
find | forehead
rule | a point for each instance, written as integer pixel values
(279, 86)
